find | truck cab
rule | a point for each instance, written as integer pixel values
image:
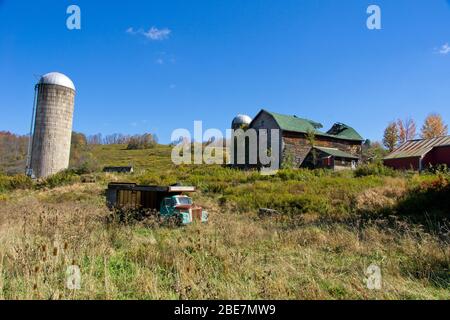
(171, 202)
(183, 208)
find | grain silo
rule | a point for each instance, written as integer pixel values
(51, 129)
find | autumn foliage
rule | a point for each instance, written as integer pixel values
(390, 137)
(400, 131)
(13, 151)
(434, 127)
(406, 129)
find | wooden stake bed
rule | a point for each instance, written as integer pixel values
(131, 195)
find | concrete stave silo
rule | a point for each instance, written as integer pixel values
(52, 130)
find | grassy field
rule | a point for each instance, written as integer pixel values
(331, 228)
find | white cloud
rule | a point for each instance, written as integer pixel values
(445, 49)
(157, 34)
(152, 34)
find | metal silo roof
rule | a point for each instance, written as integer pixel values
(242, 119)
(57, 79)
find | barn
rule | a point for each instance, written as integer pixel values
(420, 154)
(338, 148)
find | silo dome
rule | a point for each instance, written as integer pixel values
(57, 78)
(239, 120)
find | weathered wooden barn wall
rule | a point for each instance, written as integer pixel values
(296, 146)
(264, 121)
(324, 160)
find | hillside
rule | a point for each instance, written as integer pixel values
(331, 228)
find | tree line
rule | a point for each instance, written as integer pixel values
(13, 150)
(82, 158)
(400, 131)
(138, 141)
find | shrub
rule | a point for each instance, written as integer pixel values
(60, 179)
(427, 201)
(145, 141)
(374, 169)
(20, 181)
(90, 165)
(303, 174)
(9, 183)
(4, 183)
(439, 169)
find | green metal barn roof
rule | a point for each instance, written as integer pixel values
(336, 153)
(292, 123)
(295, 124)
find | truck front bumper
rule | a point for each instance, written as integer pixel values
(186, 217)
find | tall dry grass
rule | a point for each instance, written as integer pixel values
(234, 256)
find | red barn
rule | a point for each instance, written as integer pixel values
(420, 154)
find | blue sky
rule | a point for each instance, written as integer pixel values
(210, 60)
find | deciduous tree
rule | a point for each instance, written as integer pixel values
(406, 130)
(390, 137)
(434, 127)
(373, 152)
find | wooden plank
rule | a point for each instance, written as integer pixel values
(181, 189)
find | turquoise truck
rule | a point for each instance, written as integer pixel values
(171, 202)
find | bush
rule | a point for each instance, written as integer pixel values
(303, 174)
(60, 179)
(439, 169)
(375, 169)
(89, 165)
(20, 181)
(9, 183)
(4, 183)
(145, 141)
(427, 201)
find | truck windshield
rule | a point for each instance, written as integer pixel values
(184, 200)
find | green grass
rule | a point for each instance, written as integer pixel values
(332, 226)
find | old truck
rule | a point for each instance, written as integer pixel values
(171, 202)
